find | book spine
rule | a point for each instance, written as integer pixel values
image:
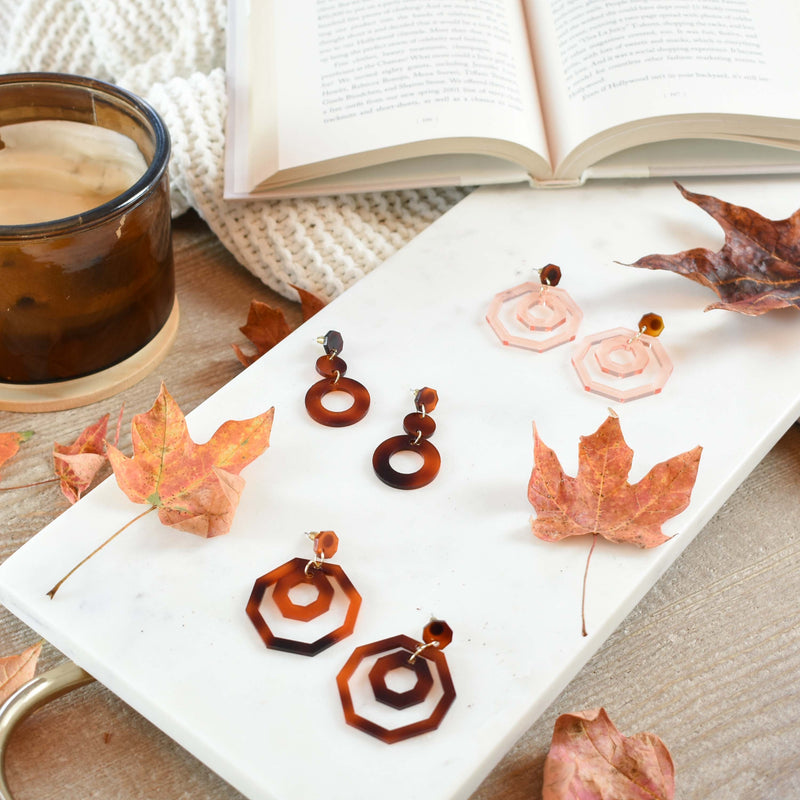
(554, 183)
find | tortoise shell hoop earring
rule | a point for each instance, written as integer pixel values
(419, 427)
(332, 368)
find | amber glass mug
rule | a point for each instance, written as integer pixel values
(82, 293)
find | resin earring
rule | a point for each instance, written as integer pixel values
(549, 315)
(331, 593)
(364, 684)
(419, 427)
(332, 368)
(622, 364)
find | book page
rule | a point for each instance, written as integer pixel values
(604, 65)
(365, 75)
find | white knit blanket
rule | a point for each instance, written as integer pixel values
(172, 53)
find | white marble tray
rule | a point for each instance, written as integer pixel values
(159, 618)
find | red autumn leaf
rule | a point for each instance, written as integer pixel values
(15, 671)
(195, 487)
(590, 759)
(758, 268)
(599, 500)
(309, 302)
(77, 464)
(10, 442)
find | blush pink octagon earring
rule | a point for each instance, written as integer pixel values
(332, 369)
(276, 610)
(549, 315)
(366, 694)
(419, 427)
(622, 364)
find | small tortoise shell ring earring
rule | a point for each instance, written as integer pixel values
(419, 427)
(332, 368)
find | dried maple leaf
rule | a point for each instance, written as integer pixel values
(266, 326)
(590, 759)
(15, 671)
(195, 487)
(10, 442)
(309, 303)
(758, 268)
(77, 464)
(599, 500)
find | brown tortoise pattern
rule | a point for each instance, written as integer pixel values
(402, 652)
(419, 427)
(322, 577)
(332, 368)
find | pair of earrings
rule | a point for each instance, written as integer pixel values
(275, 607)
(620, 364)
(418, 425)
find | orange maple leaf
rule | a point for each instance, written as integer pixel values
(590, 759)
(195, 487)
(599, 500)
(10, 442)
(15, 671)
(77, 464)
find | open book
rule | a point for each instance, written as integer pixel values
(357, 95)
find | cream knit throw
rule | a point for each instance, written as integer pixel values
(171, 52)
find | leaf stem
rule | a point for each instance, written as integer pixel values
(52, 593)
(583, 595)
(27, 485)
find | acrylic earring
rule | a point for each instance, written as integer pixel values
(364, 684)
(622, 364)
(549, 315)
(419, 427)
(332, 368)
(331, 594)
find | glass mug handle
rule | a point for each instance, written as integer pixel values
(34, 694)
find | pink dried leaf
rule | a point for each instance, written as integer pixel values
(590, 759)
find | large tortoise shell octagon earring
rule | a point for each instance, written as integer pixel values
(367, 694)
(332, 368)
(277, 612)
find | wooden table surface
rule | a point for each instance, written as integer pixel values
(709, 660)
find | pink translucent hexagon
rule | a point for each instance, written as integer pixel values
(540, 309)
(622, 356)
(621, 364)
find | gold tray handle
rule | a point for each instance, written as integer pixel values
(34, 694)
